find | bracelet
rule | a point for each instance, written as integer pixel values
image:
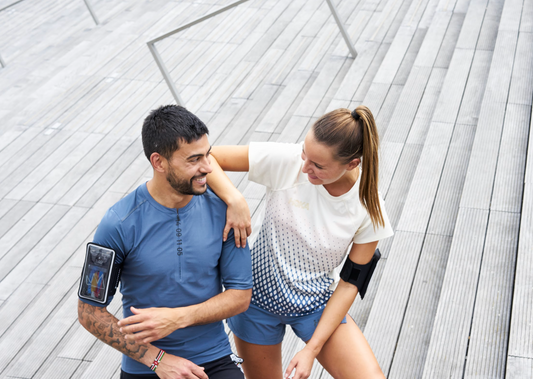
(157, 359)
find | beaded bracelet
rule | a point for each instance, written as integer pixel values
(157, 359)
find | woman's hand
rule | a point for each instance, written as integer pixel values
(238, 219)
(303, 363)
(150, 324)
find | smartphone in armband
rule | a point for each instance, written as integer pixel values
(100, 274)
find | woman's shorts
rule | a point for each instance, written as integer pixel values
(265, 328)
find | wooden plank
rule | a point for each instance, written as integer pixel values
(21, 228)
(475, 88)
(406, 109)
(22, 247)
(74, 241)
(249, 116)
(426, 108)
(44, 342)
(449, 338)
(519, 368)
(62, 368)
(489, 335)
(508, 188)
(520, 352)
(48, 163)
(435, 35)
(511, 16)
(405, 170)
(367, 80)
(104, 365)
(387, 312)
(421, 197)
(15, 305)
(526, 23)
(450, 42)
(283, 102)
(14, 340)
(19, 274)
(417, 325)
(5, 206)
(357, 72)
(477, 189)
(521, 89)
(502, 66)
(489, 30)
(101, 185)
(81, 341)
(403, 71)
(72, 186)
(453, 89)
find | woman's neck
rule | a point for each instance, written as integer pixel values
(344, 184)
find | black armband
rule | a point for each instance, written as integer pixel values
(100, 275)
(360, 275)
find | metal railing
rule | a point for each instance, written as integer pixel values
(2, 62)
(164, 70)
(91, 11)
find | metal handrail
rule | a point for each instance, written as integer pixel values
(91, 11)
(164, 70)
(2, 62)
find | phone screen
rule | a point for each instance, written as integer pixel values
(96, 273)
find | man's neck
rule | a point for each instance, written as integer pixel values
(165, 195)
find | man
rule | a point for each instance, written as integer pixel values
(169, 239)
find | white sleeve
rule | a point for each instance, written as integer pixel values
(367, 233)
(275, 165)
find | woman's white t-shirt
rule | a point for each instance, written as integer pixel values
(305, 232)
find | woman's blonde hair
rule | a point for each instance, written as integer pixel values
(354, 135)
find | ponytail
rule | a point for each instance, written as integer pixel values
(354, 135)
(368, 188)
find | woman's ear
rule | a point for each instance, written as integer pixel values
(354, 163)
(159, 163)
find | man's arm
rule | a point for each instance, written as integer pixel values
(151, 324)
(103, 325)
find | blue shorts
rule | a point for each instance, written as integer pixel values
(265, 328)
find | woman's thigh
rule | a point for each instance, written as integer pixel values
(347, 354)
(260, 361)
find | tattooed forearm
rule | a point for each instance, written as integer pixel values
(103, 325)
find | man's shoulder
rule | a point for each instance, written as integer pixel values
(129, 204)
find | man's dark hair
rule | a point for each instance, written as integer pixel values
(166, 126)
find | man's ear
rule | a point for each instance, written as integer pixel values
(159, 163)
(354, 163)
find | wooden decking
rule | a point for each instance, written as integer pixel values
(451, 85)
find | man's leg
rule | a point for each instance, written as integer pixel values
(223, 368)
(125, 375)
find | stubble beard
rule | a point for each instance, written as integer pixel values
(184, 187)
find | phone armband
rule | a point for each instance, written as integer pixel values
(100, 275)
(360, 275)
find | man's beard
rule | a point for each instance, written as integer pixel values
(184, 187)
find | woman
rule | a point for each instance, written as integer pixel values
(319, 202)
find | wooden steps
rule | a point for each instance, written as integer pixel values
(445, 300)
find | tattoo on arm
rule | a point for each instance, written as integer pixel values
(103, 325)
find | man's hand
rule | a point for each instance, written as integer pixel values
(303, 363)
(238, 219)
(173, 367)
(152, 324)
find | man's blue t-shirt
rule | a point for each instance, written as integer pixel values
(175, 258)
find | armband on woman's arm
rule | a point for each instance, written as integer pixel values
(238, 213)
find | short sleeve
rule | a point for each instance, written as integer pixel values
(275, 165)
(235, 265)
(367, 233)
(108, 234)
